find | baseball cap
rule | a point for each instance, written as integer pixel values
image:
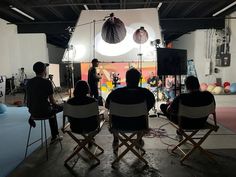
(39, 67)
(95, 60)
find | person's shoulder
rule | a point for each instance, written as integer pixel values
(91, 99)
(207, 94)
(144, 90)
(46, 81)
(118, 90)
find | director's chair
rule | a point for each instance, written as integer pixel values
(83, 120)
(189, 114)
(128, 123)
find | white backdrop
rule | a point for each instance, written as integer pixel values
(82, 38)
(54, 70)
(20, 50)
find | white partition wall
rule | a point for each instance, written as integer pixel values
(20, 50)
(82, 38)
(54, 71)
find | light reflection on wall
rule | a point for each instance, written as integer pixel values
(127, 44)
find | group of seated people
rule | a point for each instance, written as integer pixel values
(156, 85)
(41, 102)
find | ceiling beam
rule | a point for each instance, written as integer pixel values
(121, 4)
(74, 8)
(147, 3)
(56, 13)
(167, 10)
(98, 4)
(117, 3)
(178, 25)
(190, 9)
(48, 28)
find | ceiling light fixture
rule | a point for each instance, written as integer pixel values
(21, 12)
(224, 9)
(159, 5)
(86, 7)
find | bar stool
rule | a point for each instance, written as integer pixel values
(43, 128)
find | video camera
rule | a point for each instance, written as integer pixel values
(115, 79)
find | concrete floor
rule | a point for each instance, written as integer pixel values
(161, 162)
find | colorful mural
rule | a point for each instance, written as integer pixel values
(111, 72)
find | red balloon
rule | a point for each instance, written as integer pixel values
(226, 84)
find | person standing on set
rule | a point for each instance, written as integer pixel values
(93, 78)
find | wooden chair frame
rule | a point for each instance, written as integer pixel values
(189, 136)
(85, 140)
(130, 140)
(131, 144)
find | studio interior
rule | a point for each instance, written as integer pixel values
(74, 45)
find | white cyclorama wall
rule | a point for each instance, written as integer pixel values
(83, 38)
(20, 50)
(196, 46)
(230, 72)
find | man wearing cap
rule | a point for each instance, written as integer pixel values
(93, 79)
(40, 100)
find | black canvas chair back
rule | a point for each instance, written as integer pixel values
(129, 117)
(192, 119)
(128, 123)
(83, 120)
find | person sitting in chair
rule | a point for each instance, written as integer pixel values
(40, 100)
(81, 97)
(131, 94)
(169, 87)
(193, 97)
(81, 94)
(154, 82)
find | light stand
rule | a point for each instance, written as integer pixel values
(140, 36)
(70, 70)
(140, 61)
(156, 44)
(50, 77)
(71, 64)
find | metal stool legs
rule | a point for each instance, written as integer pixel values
(43, 126)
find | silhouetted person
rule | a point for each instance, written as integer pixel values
(81, 94)
(93, 78)
(193, 97)
(22, 77)
(40, 100)
(81, 97)
(131, 94)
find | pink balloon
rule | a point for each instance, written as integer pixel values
(203, 86)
